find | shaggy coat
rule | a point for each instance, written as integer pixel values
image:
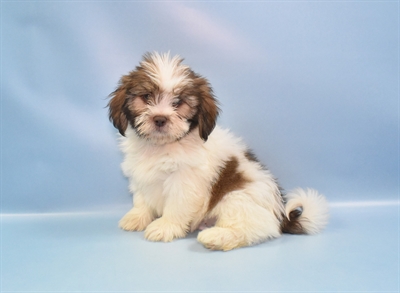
(185, 172)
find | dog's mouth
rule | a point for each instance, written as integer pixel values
(161, 136)
(158, 136)
(160, 130)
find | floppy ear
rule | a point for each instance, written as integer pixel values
(208, 108)
(116, 113)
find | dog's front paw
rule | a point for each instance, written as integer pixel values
(162, 230)
(134, 220)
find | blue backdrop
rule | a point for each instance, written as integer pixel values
(313, 87)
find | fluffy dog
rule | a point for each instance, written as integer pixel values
(185, 171)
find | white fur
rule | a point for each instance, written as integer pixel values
(315, 209)
(166, 71)
(172, 183)
(172, 170)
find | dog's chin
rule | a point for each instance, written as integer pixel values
(160, 136)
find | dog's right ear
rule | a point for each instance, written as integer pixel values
(116, 113)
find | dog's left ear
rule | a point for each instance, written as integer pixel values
(208, 107)
(116, 114)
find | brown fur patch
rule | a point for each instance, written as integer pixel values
(199, 105)
(251, 156)
(207, 105)
(292, 225)
(230, 179)
(127, 100)
(138, 105)
(186, 111)
(115, 105)
(208, 109)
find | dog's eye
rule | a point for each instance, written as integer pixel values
(177, 102)
(145, 97)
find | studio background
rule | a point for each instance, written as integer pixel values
(311, 86)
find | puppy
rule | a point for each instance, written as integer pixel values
(186, 172)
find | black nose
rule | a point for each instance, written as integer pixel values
(160, 121)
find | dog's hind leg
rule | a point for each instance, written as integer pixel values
(240, 222)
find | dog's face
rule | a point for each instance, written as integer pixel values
(163, 100)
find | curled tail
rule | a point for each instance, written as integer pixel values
(306, 212)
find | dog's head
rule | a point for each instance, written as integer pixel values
(163, 100)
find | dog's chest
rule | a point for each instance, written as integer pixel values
(155, 167)
(155, 175)
(154, 170)
(160, 161)
(166, 164)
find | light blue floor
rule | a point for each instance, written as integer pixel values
(86, 252)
